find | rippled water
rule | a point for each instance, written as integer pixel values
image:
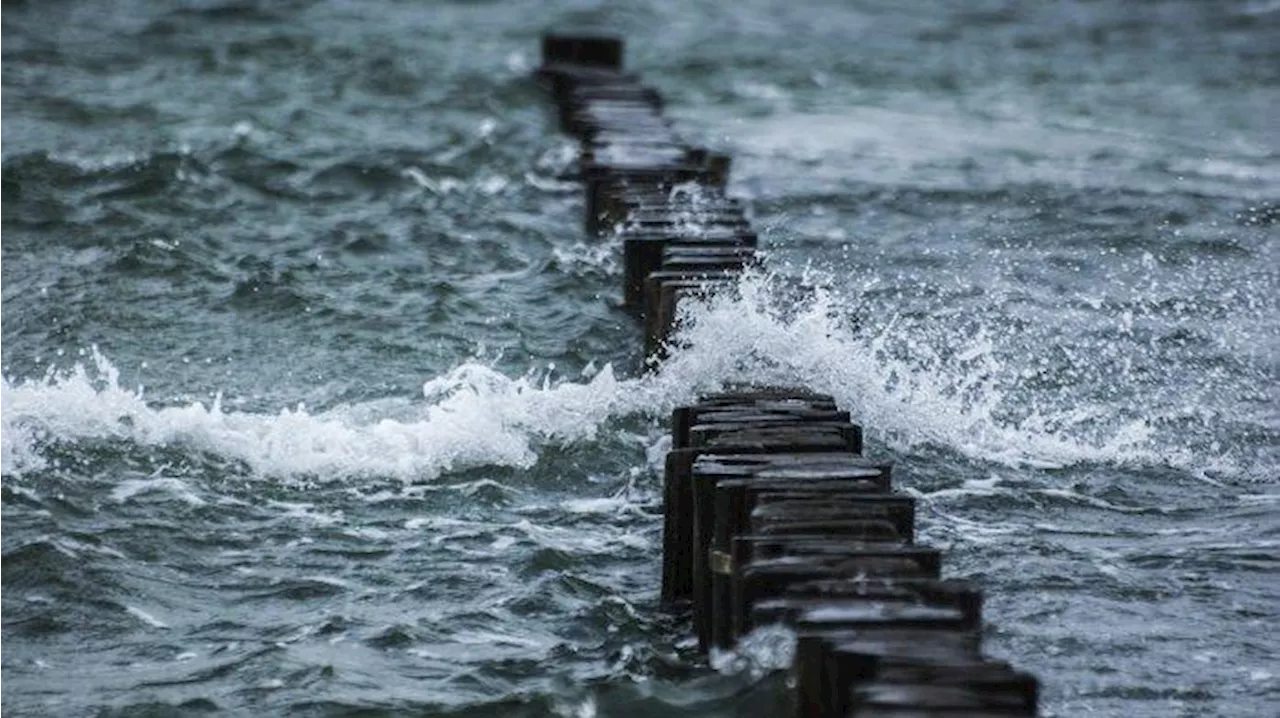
(316, 401)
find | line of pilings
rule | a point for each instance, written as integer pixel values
(772, 514)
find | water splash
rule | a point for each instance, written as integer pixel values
(764, 649)
(973, 387)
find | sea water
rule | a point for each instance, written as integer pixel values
(318, 402)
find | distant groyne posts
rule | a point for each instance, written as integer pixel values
(771, 513)
(665, 200)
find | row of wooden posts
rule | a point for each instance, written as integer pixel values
(772, 514)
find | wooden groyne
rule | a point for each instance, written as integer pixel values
(772, 514)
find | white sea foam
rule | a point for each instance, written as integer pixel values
(765, 649)
(474, 415)
(130, 488)
(145, 617)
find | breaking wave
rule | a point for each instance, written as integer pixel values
(966, 397)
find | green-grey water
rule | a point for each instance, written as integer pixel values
(317, 402)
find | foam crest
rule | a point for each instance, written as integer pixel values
(475, 416)
(471, 416)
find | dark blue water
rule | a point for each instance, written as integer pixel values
(317, 402)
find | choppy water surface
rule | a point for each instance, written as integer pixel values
(316, 401)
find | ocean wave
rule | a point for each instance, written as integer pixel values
(966, 399)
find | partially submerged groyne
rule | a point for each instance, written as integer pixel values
(772, 514)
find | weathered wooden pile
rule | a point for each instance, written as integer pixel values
(772, 515)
